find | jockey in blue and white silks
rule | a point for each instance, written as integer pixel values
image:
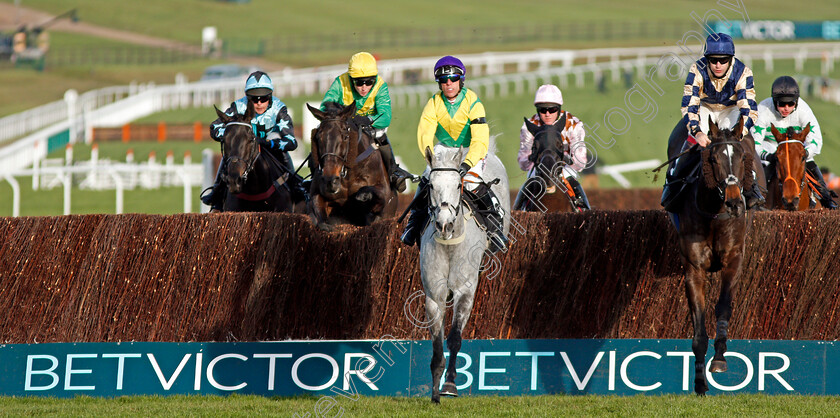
(272, 126)
(784, 109)
(719, 86)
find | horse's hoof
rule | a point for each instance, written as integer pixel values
(449, 389)
(717, 366)
(364, 196)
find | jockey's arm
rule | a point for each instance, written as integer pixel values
(577, 147)
(333, 94)
(765, 142)
(426, 128)
(814, 140)
(745, 95)
(382, 111)
(526, 145)
(691, 99)
(480, 133)
(285, 129)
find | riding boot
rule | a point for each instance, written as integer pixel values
(490, 206)
(419, 216)
(825, 194)
(581, 201)
(396, 174)
(753, 196)
(216, 196)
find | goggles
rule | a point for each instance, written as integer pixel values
(359, 82)
(259, 99)
(552, 109)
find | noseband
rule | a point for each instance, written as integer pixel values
(253, 139)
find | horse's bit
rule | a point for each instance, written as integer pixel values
(231, 160)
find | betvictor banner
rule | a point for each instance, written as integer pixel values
(401, 368)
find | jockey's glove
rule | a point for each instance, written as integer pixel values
(463, 169)
(772, 158)
(567, 159)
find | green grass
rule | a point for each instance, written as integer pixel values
(184, 19)
(514, 406)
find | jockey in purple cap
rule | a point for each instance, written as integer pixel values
(455, 117)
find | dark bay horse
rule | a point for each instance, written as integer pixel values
(790, 188)
(712, 225)
(255, 179)
(548, 190)
(349, 180)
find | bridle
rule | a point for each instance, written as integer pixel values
(787, 141)
(345, 137)
(460, 187)
(730, 179)
(234, 159)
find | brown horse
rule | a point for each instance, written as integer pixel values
(349, 180)
(712, 226)
(256, 181)
(548, 190)
(790, 188)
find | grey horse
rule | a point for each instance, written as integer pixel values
(451, 252)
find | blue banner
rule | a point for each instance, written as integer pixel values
(401, 368)
(779, 30)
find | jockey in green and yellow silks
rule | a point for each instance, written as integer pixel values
(459, 123)
(455, 117)
(362, 86)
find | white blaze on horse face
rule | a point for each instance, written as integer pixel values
(729, 151)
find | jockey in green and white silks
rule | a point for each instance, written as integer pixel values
(455, 117)
(784, 109)
(272, 126)
(361, 85)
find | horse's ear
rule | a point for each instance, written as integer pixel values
(249, 111)
(348, 111)
(775, 131)
(805, 132)
(739, 129)
(530, 126)
(316, 112)
(222, 115)
(429, 156)
(713, 128)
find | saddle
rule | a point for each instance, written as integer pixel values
(479, 202)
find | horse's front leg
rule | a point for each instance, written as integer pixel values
(695, 291)
(723, 310)
(434, 317)
(319, 211)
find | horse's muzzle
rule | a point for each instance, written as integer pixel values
(331, 185)
(445, 230)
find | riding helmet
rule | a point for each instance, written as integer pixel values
(548, 93)
(719, 44)
(258, 84)
(361, 65)
(449, 65)
(785, 88)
